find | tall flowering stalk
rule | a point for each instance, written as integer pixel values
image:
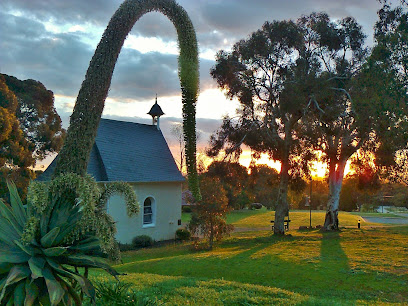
(88, 109)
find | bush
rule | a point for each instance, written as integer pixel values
(186, 209)
(183, 234)
(142, 241)
(256, 206)
(123, 247)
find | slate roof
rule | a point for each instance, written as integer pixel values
(130, 152)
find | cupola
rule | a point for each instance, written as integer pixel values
(156, 112)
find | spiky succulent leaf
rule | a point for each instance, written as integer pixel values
(15, 255)
(25, 248)
(86, 245)
(31, 293)
(90, 261)
(8, 233)
(36, 265)
(5, 267)
(85, 284)
(16, 274)
(55, 251)
(19, 293)
(48, 239)
(55, 291)
(7, 213)
(16, 204)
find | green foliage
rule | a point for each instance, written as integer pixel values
(183, 234)
(81, 135)
(233, 178)
(264, 185)
(37, 116)
(29, 127)
(142, 241)
(93, 198)
(186, 209)
(37, 263)
(16, 151)
(209, 214)
(117, 293)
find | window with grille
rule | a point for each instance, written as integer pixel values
(148, 211)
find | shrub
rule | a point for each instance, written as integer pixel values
(142, 241)
(183, 234)
(123, 247)
(256, 206)
(115, 293)
(209, 213)
(39, 257)
(186, 209)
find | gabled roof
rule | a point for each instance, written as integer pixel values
(130, 152)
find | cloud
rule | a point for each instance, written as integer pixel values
(30, 52)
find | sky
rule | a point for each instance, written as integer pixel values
(52, 41)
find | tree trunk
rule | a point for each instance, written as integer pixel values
(282, 207)
(336, 174)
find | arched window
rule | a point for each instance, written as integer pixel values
(148, 211)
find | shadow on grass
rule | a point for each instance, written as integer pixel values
(275, 262)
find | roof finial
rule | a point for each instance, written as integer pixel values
(156, 97)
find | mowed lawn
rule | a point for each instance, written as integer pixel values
(261, 219)
(354, 266)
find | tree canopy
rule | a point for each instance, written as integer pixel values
(30, 129)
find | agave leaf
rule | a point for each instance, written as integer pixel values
(16, 204)
(55, 290)
(8, 214)
(60, 212)
(36, 266)
(90, 261)
(7, 232)
(16, 274)
(10, 301)
(67, 229)
(14, 256)
(88, 244)
(3, 282)
(85, 284)
(5, 267)
(56, 251)
(19, 294)
(26, 248)
(49, 238)
(31, 293)
(71, 296)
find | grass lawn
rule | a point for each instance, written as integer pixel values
(367, 266)
(261, 219)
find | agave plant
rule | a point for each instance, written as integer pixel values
(38, 264)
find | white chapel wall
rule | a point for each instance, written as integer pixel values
(167, 212)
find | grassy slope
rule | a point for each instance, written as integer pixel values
(353, 266)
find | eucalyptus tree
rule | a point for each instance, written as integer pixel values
(275, 77)
(361, 105)
(89, 105)
(391, 55)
